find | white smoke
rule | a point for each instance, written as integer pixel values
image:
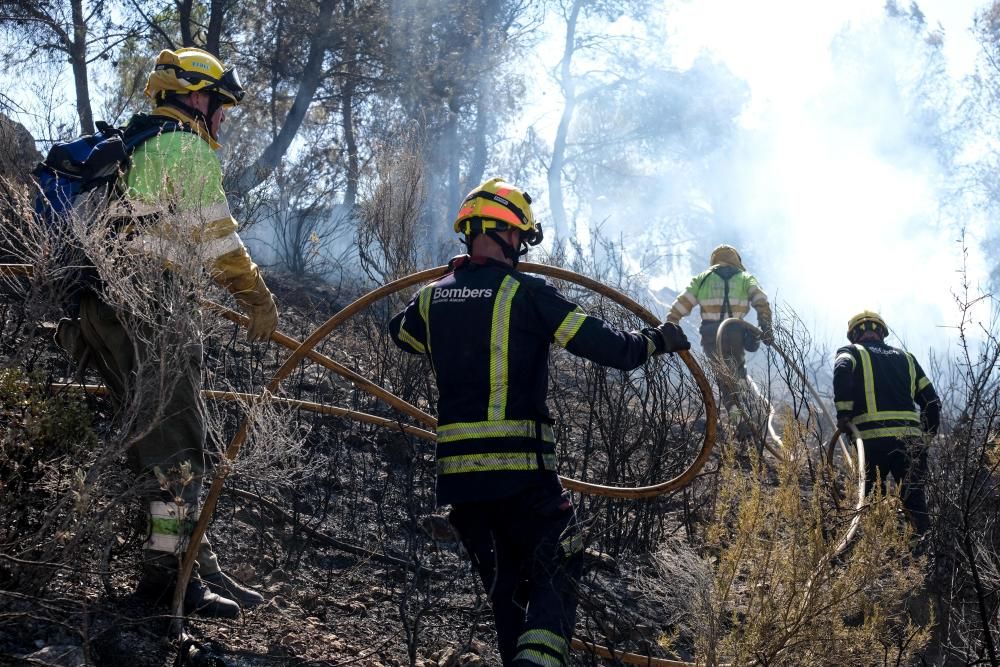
(839, 187)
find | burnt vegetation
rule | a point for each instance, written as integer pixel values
(333, 517)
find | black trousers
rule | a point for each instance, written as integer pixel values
(908, 467)
(529, 554)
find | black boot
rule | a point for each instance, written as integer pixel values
(198, 599)
(223, 584)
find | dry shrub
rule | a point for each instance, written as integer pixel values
(388, 239)
(767, 586)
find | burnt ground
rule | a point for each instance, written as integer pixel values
(324, 606)
(356, 564)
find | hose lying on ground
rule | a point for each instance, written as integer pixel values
(802, 376)
(305, 350)
(775, 450)
(417, 278)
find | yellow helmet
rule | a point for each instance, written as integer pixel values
(495, 205)
(866, 320)
(726, 254)
(190, 70)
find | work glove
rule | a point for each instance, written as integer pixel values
(844, 423)
(263, 321)
(672, 337)
(259, 306)
(767, 333)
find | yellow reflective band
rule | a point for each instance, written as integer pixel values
(546, 638)
(493, 462)
(510, 428)
(405, 336)
(499, 337)
(684, 303)
(717, 308)
(564, 334)
(891, 432)
(868, 377)
(539, 658)
(844, 405)
(923, 383)
(424, 306)
(886, 415)
(913, 375)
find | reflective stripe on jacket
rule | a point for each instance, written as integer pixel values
(876, 385)
(708, 290)
(486, 329)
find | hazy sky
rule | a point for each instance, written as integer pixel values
(839, 221)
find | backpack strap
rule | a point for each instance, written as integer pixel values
(134, 138)
(727, 308)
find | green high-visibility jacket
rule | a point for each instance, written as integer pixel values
(174, 186)
(722, 291)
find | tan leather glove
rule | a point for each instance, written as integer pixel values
(240, 276)
(259, 306)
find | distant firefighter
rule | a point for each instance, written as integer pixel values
(726, 289)
(875, 387)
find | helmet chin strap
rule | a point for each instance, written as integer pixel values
(508, 250)
(196, 114)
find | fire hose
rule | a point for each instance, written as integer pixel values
(805, 381)
(855, 464)
(585, 487)
(306, 350)
(579, 644)
(775, 449)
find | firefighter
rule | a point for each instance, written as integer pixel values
(174, 202)
(875, 387)
(486, 329)
(725, 290)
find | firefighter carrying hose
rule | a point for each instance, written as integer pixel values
(726, 289)
(174, 202)
(486, 329)
(875, 387)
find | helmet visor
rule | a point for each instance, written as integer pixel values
(231, 86)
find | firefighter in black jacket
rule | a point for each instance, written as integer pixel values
(486, 329)
(875, 387)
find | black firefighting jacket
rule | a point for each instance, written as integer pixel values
(486, 329)
(876, 386)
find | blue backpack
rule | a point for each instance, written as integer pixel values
(77, 167)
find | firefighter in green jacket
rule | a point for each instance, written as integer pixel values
(726, 289)
(174, 208)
